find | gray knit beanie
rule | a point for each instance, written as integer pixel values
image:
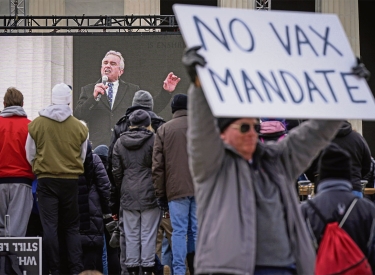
(144, 99)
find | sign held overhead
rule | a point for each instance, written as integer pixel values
(275, 64)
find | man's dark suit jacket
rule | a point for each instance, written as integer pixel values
(98, 115)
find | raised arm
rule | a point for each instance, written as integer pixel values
(205, 147)
(169, 85)
(303, 144)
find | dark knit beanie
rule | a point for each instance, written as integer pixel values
(334, 163)
(140, 118)
(224, 122)
(144, 99)
(179, 102)
(101, 150)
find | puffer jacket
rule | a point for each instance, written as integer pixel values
(332, 196)
(93, 199)
(225, 193)
(132, 161)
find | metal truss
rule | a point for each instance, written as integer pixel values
(87, 24)
(262, 4)
(17, 8)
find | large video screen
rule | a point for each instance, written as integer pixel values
(148, 60)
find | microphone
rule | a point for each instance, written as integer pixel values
(104, 81)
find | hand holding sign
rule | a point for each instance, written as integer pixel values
(190, 59)
(361, 70)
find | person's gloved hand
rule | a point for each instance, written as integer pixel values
(107, 220)
(361, 70)
(163, 203)
(191, 58)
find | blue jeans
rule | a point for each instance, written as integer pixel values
(104, 257)
(184, 220)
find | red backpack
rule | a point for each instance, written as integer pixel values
(337, 252)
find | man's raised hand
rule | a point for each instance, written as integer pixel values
(171, 82)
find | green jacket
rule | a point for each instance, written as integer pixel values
(58, 147)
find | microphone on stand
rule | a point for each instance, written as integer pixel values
(104, 81)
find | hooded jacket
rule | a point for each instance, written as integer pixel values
(132, 161)
(357, 147)
(360, 154)
(121, 127)
(14, 166)
(333, 198)
(56, 144)
(225, 193)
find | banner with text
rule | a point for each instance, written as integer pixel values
(28, 251)
(275, 64)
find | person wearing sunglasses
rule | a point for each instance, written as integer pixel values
(247, 208)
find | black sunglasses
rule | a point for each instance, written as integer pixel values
(245, 127)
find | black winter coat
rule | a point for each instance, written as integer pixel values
(93, 200)
(360, 224)
(360, 154)
(357, 147)
(132, 162)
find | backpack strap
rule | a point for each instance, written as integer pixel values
(347, 213)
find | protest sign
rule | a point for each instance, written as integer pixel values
(28, 251)
(275, 64)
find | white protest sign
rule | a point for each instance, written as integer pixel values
(275, 64)
(28, 251)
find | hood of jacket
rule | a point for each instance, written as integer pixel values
(13, 111)
(135, 138)
(56, 112)
(345, 129)
(131, 109)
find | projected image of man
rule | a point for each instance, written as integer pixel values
(103, 103)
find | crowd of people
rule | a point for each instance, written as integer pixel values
(118, 187)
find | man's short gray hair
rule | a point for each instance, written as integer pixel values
(122, 62)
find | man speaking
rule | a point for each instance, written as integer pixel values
(103, 103)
